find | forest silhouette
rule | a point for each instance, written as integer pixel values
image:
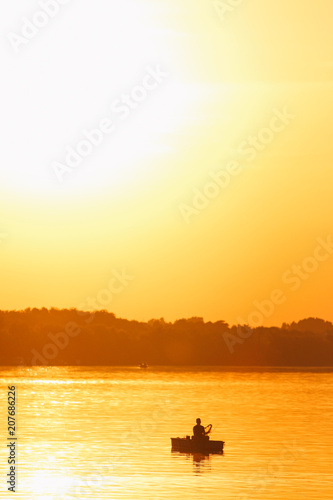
(53, 337)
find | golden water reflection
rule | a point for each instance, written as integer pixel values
(105, 433)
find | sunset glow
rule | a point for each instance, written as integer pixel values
(205, 170)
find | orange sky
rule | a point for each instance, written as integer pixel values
(208, 184)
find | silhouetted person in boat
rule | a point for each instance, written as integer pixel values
(199, 430)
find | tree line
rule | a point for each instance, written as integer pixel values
(54, 337)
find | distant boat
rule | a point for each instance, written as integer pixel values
(190, 445)
(143, 365)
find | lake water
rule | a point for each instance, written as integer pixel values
(97, 433)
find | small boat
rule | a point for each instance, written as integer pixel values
(143, 365)
(190, 445)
